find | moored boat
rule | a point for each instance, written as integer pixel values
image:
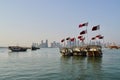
(34, 48)
(17, 48)
(66, 51)
(94, 50)
(90, 48)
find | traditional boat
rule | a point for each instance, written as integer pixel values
(94, 50)
(17, 48)
(66, 51)
(34, 48)
(90, 50)
(73, 49)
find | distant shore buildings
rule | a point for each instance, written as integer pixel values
(44, 44)
(78, 43)
(54, 44)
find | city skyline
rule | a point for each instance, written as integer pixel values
(45, 44)
(24, 22)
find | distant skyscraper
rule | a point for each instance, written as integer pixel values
(46, 44)
(41, 42)
(55, 44)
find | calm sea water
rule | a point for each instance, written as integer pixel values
(48, 64)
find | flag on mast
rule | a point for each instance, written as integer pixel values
(68, 38)
(72, 39)
(83, 32)
(84, 24)
(96, 28)
(101, 37)
(62, 40)
(98, 36)
(79, 37)
(82, 39)
(93, 38)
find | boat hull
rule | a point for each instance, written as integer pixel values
(90, 51)
(17, 49)
(34, 48)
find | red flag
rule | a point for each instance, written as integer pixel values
(68, 38)
(84, 24)
(82, 39)
(101, 37)
(62, 40)
(79, 37)
(83, 32)
(98, 36)
(93, 38)
(96, 28)
(72, 39)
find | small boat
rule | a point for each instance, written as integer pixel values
(17, 48)
(66, 51)
(34, 48)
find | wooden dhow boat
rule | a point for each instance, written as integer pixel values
(90, 50)
(34, 46)
(17, 48)
(94, 50)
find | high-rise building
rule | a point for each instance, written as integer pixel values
(55, 44)
(44, 44)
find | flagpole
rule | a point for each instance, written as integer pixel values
(64, 43)
(87, 34)
(75, 41)
(99, 34)
(103, 41)
(70, 42)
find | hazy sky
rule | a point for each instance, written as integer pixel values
(25, 21)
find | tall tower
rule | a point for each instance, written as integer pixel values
(46, 44)
(41, 45)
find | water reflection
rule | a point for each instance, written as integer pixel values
(81, 68)
(14, 53)
(94, 68)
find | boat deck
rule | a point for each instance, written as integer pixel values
(90, 50)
